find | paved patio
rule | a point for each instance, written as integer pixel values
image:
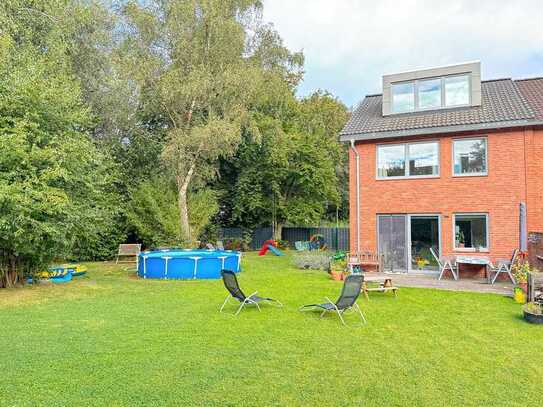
(431, 281)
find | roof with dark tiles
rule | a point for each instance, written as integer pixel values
(503, 102)
(532, 90)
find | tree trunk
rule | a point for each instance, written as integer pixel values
(182, 188)
(278, 229)
(10, 276)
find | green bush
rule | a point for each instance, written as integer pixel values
(56, 188)
(153, 213)
(316, 260)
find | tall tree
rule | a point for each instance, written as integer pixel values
(291, 175)
(55, 187)
(198, 64)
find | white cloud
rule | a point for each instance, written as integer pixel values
(349, 44)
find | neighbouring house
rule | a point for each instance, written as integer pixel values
(443, 159)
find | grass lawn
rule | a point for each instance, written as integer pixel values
(110, 339)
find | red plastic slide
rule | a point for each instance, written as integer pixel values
(265, 247)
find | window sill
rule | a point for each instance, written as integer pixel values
(412, 177)
(470, 250)
(470, 175)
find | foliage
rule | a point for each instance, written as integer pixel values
(533, 308)
(314, 260)
(152, 212)
(339, 266)
(98, 100)
(521, 270)
(235, 243)
(201, 82)
(290, 174)
(202, 205)
(56, 188)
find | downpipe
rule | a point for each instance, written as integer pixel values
(357, 157)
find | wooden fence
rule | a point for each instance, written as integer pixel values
(535, 250)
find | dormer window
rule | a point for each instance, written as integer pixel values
(430, 94)
(457, 90)
(403, 97)
(432, 89)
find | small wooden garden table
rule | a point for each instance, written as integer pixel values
(385, 284)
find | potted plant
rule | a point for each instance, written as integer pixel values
(421, 262)
(520, 272)
(533, 312)
(338, 270)
(460, 239)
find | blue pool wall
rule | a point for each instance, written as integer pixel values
(187, 264)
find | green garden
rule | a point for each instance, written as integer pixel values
(160, 123)
(109, 338)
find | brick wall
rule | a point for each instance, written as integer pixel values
(534, 170)
(498, 194)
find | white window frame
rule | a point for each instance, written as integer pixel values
(443, 96)
(471, 249)
(406, 160)
(470, 174)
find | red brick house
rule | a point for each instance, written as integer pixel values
(442, 159)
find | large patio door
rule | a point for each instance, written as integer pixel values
(424, 232)
(392, 237)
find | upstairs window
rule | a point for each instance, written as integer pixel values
(457, 90)
(429, 94)
(391, 161)
(408, 160)
(470, 157)
(403, 97)
(423, 159)
(432, 93)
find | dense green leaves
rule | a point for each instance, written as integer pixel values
(152, 212)
(56, 194)
(153, 121)
(292, 175)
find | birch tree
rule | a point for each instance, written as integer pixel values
(198, 64)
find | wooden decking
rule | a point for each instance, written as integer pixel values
(431, 281)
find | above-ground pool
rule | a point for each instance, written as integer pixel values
(187, 264)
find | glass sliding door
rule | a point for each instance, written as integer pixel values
(392, 240)
(424, 234)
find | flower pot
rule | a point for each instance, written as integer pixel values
(533, 318)
(336, 275)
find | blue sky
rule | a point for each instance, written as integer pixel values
(349, 44)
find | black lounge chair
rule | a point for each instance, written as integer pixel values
(345, 302)
(231, 284)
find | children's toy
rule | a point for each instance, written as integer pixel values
(74, 269)
(339, 256)
(62, 273)
(317, 242)
(270, 245)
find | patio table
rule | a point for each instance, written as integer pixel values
(477, 260)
